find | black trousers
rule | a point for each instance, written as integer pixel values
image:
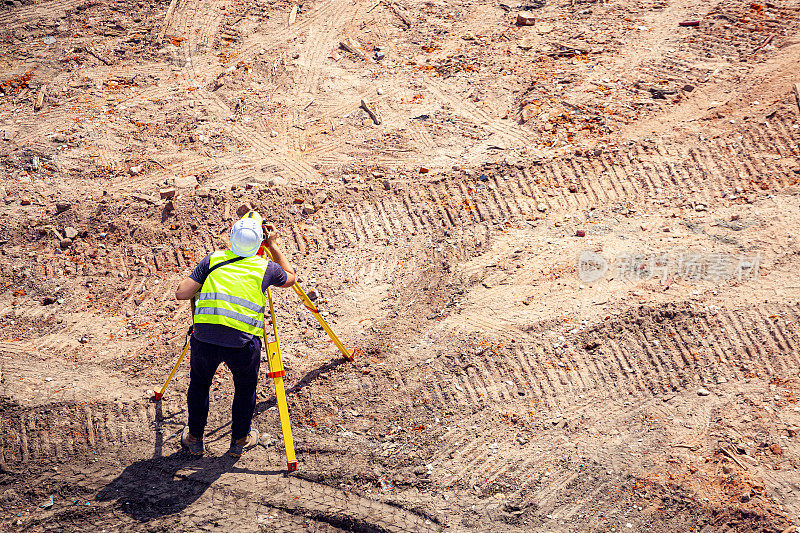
(243, 363)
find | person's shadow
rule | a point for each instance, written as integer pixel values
(161, 486)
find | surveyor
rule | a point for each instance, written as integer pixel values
(227, 291)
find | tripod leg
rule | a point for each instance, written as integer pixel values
(276, 372)
(158, 395)
(313, 308)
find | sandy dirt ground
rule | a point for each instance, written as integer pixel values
(565, 250)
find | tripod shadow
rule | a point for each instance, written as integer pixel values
(310, 376)
(153, 488)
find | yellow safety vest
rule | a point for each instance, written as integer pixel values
(231, 294)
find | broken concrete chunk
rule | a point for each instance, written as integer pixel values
(277, 181)
(165, 194)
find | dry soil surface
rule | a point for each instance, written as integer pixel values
(566, 252)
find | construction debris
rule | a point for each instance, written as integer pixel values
(525, 18)
(371, 112)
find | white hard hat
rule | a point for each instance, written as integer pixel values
(247, 235)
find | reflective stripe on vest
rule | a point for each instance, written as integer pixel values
(232, 299)
(231, 295)
(230, 314)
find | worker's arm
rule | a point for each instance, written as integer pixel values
(278, 257)
(187, 289)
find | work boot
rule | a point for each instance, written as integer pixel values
(192, 444)
(246, 443)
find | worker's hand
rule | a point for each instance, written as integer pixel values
(271, 235)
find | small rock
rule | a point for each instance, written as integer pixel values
(203, 193)
(541, 207)
(700, 207)
(59, 138)
(776, 449)
(308, 209)
(312, 294)
(62, 206)
(24, 201)
(48, 300)
(298, 200)
(525, 18)
(703, 392)
(580, 233)
(273, 133)
(70, 232)
(387, 185)
(65, 243)
(133, 171)
(424, 170)
(380, 55)
(250, 185)
(483, 177)
(469, 36)
(727, 469)
(320, 198)
(167, 193)
(380, 91)
(169, 206)
(573, 188)
(688, 88)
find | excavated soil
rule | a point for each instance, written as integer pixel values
(564, 251)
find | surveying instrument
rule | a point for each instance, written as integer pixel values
(276, 370)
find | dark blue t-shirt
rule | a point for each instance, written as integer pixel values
(224, 335)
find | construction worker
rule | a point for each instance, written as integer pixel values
(227, 291)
